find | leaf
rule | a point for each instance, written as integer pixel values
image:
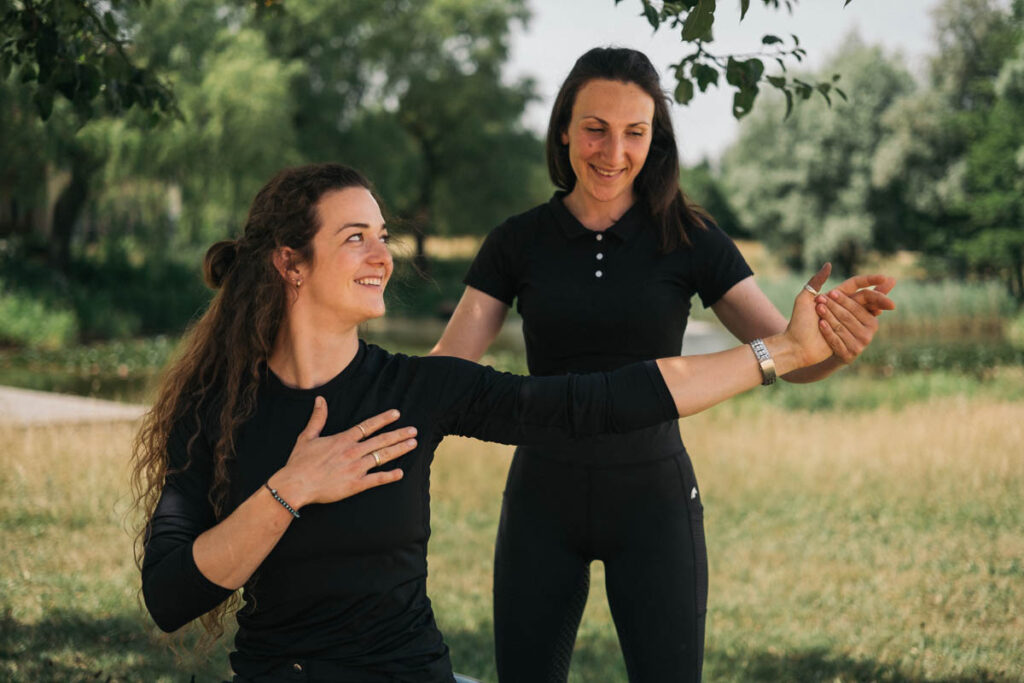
(705, 75)
(744, 6)
(777, 81)
(841, 94)
(743, 101)
(823, 88)
(652, 15)
(769, 39)
(835, 77)
(684, 91)
(699, 21)
(847, 3)
(789, 103)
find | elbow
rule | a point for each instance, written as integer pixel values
(162, 612)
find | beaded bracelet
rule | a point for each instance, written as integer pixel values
(281, 500)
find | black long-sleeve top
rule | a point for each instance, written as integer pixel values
(346, 583)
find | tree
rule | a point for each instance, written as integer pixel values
(804, 186)
(412, 93)
(951, 150)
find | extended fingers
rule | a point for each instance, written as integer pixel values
(849, 322)
(370, 425)
(380, 456)
(874, 301)
(851, 285)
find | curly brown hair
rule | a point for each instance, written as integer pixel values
(219, 364)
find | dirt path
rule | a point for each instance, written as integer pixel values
(27, 407)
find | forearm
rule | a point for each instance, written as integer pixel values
(814, 373)
(699, 382)
(230, 552)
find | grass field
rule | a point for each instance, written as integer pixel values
(876, 545)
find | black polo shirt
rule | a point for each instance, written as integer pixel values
(595, 301)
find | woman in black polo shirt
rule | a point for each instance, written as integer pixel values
(603, 274)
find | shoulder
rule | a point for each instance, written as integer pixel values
(523, 225)
(709, 237)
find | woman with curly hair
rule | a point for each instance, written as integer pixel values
(260, 465)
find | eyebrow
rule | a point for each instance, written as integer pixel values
(362, 226)
(598, 118)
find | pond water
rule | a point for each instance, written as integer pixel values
(127, 370)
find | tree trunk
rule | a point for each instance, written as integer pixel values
(68, 208)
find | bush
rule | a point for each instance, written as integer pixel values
(27, 321)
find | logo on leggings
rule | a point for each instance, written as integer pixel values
(693, 493)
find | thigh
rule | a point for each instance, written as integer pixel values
(541, 579)
(656, 570)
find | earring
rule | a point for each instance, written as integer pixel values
(298, 282)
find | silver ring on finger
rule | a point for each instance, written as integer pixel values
(812, 290)
(361, 430)
(376, 458)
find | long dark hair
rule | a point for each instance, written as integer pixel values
(657, 184)
(219, 365)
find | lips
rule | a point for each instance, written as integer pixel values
(602, 173)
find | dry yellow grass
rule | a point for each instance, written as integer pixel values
(872, 546)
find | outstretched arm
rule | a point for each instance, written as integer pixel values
(749, 314)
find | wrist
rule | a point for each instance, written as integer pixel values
(289, 488)
(785, 352)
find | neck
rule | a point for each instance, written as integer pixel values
(306, 355)
(594, 214)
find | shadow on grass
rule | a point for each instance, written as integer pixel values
(823, 665)
(73, 646)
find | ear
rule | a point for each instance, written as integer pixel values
(287, 263)
(565, 137)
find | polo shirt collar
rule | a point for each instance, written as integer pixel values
(624, 228)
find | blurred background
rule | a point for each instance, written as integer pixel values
(116, 177)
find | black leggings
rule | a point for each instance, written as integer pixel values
(645, 522)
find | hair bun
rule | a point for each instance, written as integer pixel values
(219, 259)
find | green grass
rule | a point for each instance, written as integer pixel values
(872, 545)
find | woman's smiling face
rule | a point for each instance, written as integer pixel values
(351, 261)
(609, 137)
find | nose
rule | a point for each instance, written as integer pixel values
(380, 254)
(613, 148)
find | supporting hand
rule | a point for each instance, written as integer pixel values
(849, 313)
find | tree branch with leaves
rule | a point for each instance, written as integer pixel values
(702, 68)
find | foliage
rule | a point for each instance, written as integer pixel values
(746, 73)
(803, 186)
(702, 186)
(26, 320)
(78, 49)
(952, 152)
(416, 99)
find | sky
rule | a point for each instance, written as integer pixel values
(561, 30)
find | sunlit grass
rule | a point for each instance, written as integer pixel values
(878, 545)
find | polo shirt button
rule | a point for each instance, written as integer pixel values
(297, 668)
(599, 237)
(598, 273)
(600, 256)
